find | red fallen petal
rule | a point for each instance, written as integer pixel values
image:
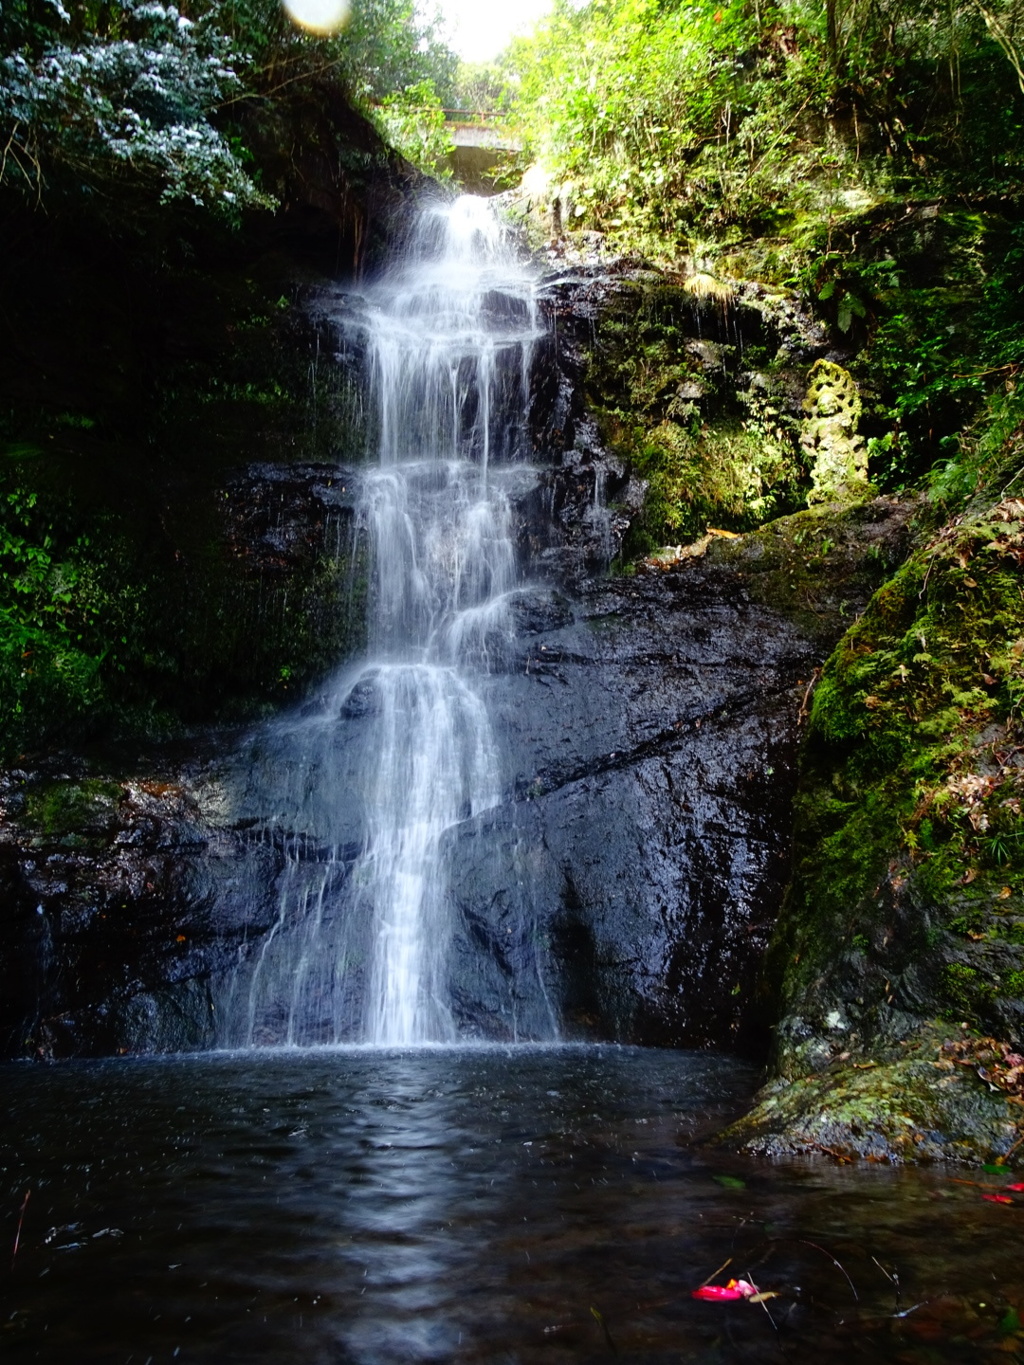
(1014, 1187)
(718, 1293)
(997, 1198)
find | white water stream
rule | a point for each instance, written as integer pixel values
(361, 946)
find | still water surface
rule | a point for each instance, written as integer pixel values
(466, 1205)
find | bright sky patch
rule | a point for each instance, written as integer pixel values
(478, 30)
(318, 16)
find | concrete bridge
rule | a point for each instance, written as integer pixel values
(482, 150)
(481, 134)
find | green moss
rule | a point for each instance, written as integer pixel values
(668, 403)
(811, 565)
(908, 1103)
(722, 475)
(72, 807)
(829, 434)
(909, 827)
(965, 990)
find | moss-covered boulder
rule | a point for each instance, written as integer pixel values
(904, 924)
(918, 1101)
(820, 566)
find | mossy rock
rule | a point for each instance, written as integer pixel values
(909, 840)
(909, 1104)
(684, 389)
(819, 566)
(84, 808)
(906, 908)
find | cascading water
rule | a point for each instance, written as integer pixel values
(401, 748)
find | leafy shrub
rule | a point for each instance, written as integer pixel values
(135, 109)
(413, 121)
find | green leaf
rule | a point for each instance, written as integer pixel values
(731, 1182)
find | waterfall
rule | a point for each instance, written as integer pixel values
(401, 748)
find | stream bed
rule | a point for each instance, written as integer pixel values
(470, 1204)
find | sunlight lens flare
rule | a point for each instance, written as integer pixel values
(318, 16)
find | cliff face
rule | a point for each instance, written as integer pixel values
(190, 437)
(176, 551)
(626, 885)
(651, 725)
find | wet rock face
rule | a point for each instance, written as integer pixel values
(279, 584)
(625, 887)
(100, 924)
(280, 517)
(644, 842)
(701, 395)
(626, 884)
(629, 884)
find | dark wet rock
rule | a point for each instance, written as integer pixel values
(624, 888)
(640, 859)
(276, 582)
(535, 611)
(121, 897)
(281, 517)
(362, 700)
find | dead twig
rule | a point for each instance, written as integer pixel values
(17, 1234)
(802, 1241)
(893, 1279)
(1013, 366)
(1002, 1160)
(805, 705)
(305, 74)
(726, 1262)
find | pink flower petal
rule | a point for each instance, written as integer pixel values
(720, 1293)
(747, 1289)
(997, 1198)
